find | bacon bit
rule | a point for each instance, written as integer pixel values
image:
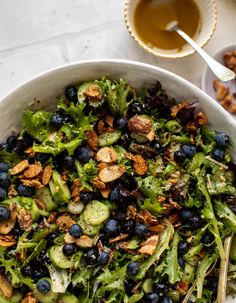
(7, 241)
(101, 127)
(93, 92)
(118, 238)
(149, 246)
(5, 287)
(7, 225)
(32, 171)
(69, 239)
(98, 183)
(64, 222)
(84, 242)
(12, 191)
(131, 212)
(25, 219)
(39, 203)
(139, 125)
(106, 155)
(102, 165)
(157, 228)
(32, 183)
(47, 173)
(19, 167)
(175, 109)
(161, 199)
(105, 192)
(29, 298)
(140, 165)
(52, 217)
(111, 173)
(92, 139)
(182, 287)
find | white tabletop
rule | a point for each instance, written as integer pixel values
(36, 35)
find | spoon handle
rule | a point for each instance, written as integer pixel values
(222, 72)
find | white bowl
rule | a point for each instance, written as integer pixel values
(46, 86)
(206, 29)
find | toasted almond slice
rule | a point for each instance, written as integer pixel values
(111, 173)
(7, 241)
(29, 298)
(47, 173)
(84, 242)
(150, 245)
(7, 225)
(64, 222)
(157, 228)
(98, 183)
(101, 166)
(32, 183)
(5, 287)
(105, 192)
(92, 139)
(107, 155)
(109, 120)
(151, 135)
(140, 165)
(69, 239)
(32, 171)
(19, 167)
(118, 238)
(25, 219)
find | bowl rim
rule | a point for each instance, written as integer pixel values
(160, 54)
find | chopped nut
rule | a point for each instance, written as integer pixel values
(92, 139)
(118, 238)
(25, 219)
(105, 192)
(111, 173)
(93, 92)
(98, 183)
(7, 225)
(84, 242)
(175, 109)
(5, 287)
(32, 183)
(230, 60)
(201, 119)
(69, 239)
(140, 165)
(29, 299)
(64, 222)
(7, 241)
(52, 217)
(107, 155)
(102, 165)
(12, 191)
(47, 173)
(75, 190)
(32, 171)
(101, 127)
(131, 212)
(39, 203)
(109, 120)
(139, 125)
(157, 228)
(149, 246)
(19, 167)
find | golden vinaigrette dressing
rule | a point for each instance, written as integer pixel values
(152, 16)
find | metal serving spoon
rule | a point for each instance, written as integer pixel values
(222, 72)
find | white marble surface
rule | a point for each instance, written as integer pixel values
(36, 35)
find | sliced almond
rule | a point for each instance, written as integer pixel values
(7, 241)
(111, 173)
(29, 298)
(39, 203)
(32, 183)
(7, 225)
(69, 239)
(64, 222)
(118, 238)
(157, 228)
(47, 173)
(102, 165)
(25, 219)
(105, 192)
(149, 246)
(107, 155)
(19, 167)
(5, 287)
(98, 183)
(92, 139)
(84, 242)
(32, 171)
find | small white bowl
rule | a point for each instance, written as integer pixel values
(208, 77)
(206, 29)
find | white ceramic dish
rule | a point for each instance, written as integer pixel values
(208, 77)
(206, 29)
(46, 86)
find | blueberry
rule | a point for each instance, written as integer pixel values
(133, 268)
(51, 237)
(3, 167)
(83, 154)
(56, 120)
(114, 195)
(25, 191)
(140, 230)
(121, 216)
(181, 262)
(218, 155)
(67, 162)
(3, 194)
(4, 213)
(75, 230)
(103, 238)
(12, 141)
(186, 214)
(189, 150)
(40, 272)
(212, 283)
(129, 227)
(112, 228)
(43, 258)
(229, 199)
(196, 221)
(86, 197)
(179, 156)
(28, 139)
(103, 258)
(166, 300)
(183, 247)
(233, 208)
(157, 146)
(4, 181)
(4, 146)
(42, 157)
(161, 288)
(91, 256)
(43, 286)
(124, 140)
(207, 238)
(71, 93)
(68, 250)
(28, 270)
(151, 297)
(135, 108)
(120, 123)
(129, 183)
(222, 140)
(17, 231)
(68, 119)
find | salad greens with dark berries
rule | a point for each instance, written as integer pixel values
(117, 196)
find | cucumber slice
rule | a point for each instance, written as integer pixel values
(107, 139)
(59, 259)
(88, 230)
(95, 213)
(68, 298)
(75, 208)
(45, 195)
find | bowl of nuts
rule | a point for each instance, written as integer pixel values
(223, 93)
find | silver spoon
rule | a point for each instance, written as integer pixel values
(222, 72)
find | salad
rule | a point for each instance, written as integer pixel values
(118, 196)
